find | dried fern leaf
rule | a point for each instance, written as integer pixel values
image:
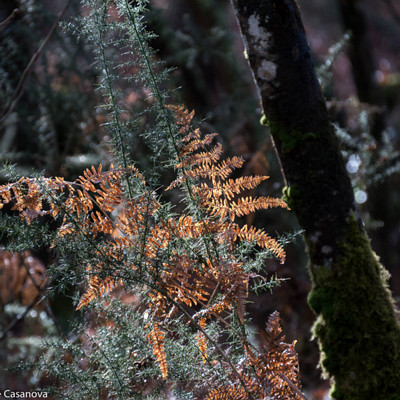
(202, 341)
(97, 287)
(156, 339)
(204, 158)
(263, 240)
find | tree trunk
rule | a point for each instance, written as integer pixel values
(356, 327)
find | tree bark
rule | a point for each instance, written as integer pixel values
(356, 325)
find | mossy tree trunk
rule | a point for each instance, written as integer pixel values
(356, 325)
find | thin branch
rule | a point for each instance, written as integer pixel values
(293, 386)
(19, 317)
(120, 382)
(50, 312)
(19, 89)
(6, 21)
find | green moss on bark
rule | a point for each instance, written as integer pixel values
(289, 139)
(264, 120)
(357, 330)
(291, 195)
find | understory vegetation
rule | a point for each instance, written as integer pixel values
(164, 283)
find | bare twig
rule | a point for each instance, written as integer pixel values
(6, 21)
(293, 386)
(18, 91)
(50, 312)
(19, 317)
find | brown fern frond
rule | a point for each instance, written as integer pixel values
(234, 282)
(65, 229)
(272, 336)
(182, 282)
(214, 171)
(156, 339)
(226, 167)
(28, 198)
(97, 288)
(235, 186)
(228, 189)
(202, 341)
(132, 216)
(79, 203)
(99, 223)
(263, 240)
(5, 194)
(186, 227)
(204, 158)
(159, 239)
(182, 116)
(108, 198)
(225, 303)
(247, 205)
(196, 144)
(277, 363)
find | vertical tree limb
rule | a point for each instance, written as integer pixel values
(357, 329)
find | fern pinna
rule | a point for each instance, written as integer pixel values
(189, 263)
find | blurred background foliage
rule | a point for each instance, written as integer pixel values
(56, 127)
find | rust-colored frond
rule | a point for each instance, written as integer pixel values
(248, 205)
(228, 189)
(156, 339)
(235, 186)
(215, 171)
(204, 158)
(196, 144)
(80, 203)
(234, 281)
(30, 204)
(183, 283)
(186, 227)
(159, 239)
(202, 341)
(271, 373)
(263, 240)
(66, 229)
(100, 224)
(272, 336)
(225, 303)
(223, 208)
(108, 198)
(226, 167)
(277, 363)
(97, 287)
(182, 116)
